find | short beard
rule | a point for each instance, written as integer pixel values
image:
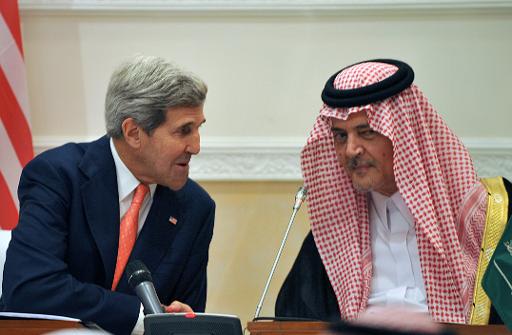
(361, 188)
(352, 164)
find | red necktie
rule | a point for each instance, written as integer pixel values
(128, 232)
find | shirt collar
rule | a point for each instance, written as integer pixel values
(380, 202)
(126, 181)
(402, 207)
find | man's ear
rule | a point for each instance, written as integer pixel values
(131, 132)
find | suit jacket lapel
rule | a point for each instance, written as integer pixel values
(101, 202)
(157, 233)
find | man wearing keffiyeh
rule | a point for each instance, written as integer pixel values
(398, 215)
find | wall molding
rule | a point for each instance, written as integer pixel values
(255, 5)
(277, 159)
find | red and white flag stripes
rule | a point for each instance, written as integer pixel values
(15, 136)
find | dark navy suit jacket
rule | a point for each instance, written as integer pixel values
(62, 255)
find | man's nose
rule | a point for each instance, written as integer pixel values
(194, 144)
(354, 146)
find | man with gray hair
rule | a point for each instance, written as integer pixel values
(86, 209)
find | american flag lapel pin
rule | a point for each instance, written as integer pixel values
(173, 220)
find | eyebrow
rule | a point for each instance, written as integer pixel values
(191, 123)
(362, 126)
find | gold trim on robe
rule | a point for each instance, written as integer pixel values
(496, 220)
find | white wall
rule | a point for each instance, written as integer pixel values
(266, 72)
(265, 69)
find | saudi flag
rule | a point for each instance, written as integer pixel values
(497, 280)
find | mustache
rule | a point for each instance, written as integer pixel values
(356, 161)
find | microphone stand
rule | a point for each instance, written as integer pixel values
(299, 198)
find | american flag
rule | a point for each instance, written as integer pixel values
(15, 136)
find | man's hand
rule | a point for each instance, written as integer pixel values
(178, 307)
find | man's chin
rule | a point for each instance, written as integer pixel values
(361, 187)
(362, 190)
(177, 185)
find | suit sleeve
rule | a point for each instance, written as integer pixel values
(36, 274)
(306, 291)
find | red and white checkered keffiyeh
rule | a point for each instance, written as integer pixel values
(435, 176)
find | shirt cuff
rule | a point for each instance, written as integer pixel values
(139, 326)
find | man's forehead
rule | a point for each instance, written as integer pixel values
(184, 115)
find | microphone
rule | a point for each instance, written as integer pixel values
(299, 199)
(140, 280)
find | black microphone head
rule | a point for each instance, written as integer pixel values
(137, 273)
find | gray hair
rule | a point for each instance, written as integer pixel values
(144, 88)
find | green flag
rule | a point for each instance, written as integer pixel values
(497, 280)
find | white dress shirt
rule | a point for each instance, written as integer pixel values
(126, 185)
(397, 277)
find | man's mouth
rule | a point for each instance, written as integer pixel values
(183, 161)
(360, 171)
(359, 165)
